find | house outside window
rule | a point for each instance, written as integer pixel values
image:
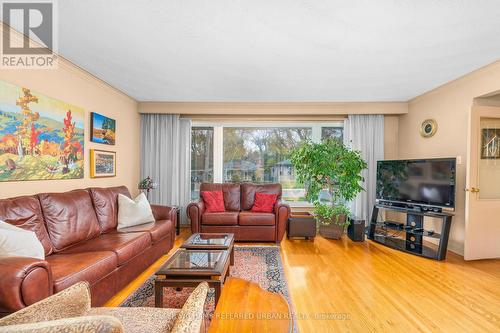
(256, 152)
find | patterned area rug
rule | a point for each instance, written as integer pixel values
(260, 264)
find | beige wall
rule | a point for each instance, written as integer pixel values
(391, 136)
(73, 85)
(450, 105)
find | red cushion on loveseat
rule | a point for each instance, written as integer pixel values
(214, 201)
(264, 203)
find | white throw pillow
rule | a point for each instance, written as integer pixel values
(133, 212)
(17, 242)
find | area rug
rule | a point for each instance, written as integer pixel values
(259, 264)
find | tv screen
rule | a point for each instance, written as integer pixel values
(421, 182)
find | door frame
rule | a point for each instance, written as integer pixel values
(473, 247)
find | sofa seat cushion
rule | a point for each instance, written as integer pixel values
(140, 320)
(158, 230)
(125, 245)
(252, 218)
(226, 218)
(68, 269)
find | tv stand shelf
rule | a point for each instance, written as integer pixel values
(426, 233)
(403, 237)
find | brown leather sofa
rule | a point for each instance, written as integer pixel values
(78, 232)
(238, 218)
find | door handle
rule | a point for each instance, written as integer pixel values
(472, 190)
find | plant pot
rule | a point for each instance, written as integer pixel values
(333, 230)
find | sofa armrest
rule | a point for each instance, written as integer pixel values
(23, 281)
(161, 212)
(194, 211)
(87, 324)
(70, 302)
(282, 212)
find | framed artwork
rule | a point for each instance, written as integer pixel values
(41, 138)
(490, 143)
(102, 163)
(102, 129)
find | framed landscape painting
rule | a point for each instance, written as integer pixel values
(102, 129)
(102, 163)
(41, 138)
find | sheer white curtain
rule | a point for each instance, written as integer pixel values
(366, 134)
(166, 158)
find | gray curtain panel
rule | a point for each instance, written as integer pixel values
(166, 158)
(366, 134)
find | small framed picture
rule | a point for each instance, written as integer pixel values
(102, 163)
(102, 129)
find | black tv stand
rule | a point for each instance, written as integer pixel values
(410, 237)
(410, 206)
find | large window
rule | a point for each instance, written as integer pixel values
(261, 155)
(256, 153)
(336, 133)
(202, 158)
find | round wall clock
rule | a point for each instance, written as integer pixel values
(428, 128)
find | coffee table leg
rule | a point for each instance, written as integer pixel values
(158, 295)
(217, 287)
(231, 257)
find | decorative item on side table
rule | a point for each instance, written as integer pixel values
(329, 166)
(102, 129)
(41, 138)
(102, 163)
(147, 184)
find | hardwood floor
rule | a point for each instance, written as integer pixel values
(352, 287)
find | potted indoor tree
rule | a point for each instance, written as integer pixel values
(333, 167)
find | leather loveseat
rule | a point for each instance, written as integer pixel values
(238, 217)
(78, 230)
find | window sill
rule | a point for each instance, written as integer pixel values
(299, 204)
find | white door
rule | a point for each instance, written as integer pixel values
(482, 212)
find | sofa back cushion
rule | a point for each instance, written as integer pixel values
(231, 193)
(106, 205)
(248, 191)
(25, 212)
(70, 217)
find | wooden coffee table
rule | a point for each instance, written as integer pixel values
(188, 268)
(211, 241)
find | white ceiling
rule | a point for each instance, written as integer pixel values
(279, 50)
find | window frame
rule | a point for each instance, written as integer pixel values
(218, 139)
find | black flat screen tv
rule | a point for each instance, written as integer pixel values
(425, 182)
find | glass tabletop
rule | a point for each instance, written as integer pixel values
(209, 239)
(193, 259)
